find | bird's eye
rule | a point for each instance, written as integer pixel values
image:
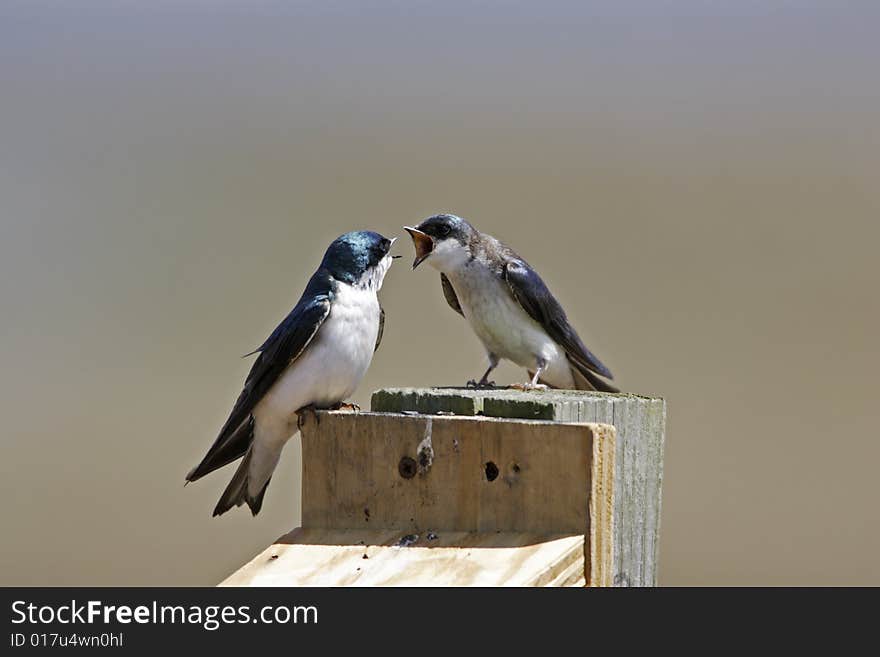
(444, 231)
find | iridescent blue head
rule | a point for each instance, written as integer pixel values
(358, 257)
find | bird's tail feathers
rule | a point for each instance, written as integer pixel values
(587, 380)
(237, 492)
(225, 450)
(584, 379)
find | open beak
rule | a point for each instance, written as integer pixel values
(423, 243)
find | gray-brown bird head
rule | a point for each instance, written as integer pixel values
(443, 240)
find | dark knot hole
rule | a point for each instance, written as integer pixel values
(407, 467)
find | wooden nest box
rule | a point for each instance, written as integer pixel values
(463, 487)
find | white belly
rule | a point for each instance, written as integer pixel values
(504, 328)
(327, 372)
(334, 362)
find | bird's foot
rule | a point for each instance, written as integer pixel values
(303, 413)
(478, 385)
(529, 386)
(346, 406)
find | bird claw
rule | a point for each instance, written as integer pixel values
(303, 412)
(480, 384)
(346, 406)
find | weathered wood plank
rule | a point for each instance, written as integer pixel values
(556, 405)
(640, 423)
(372, 470)
(599, 564)
(423, 475)
(542, 517)
(370, 557)
(641, 433)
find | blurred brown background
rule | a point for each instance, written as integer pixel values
(697, 184)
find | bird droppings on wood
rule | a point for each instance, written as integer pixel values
(408, 540)
(425, 450)
(367, 514)
(426, 458)
(432, 536)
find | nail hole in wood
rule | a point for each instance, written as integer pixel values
(407, 467)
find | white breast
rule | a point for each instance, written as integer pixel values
(335, 360)
(504, 328)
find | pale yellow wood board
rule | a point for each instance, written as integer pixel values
(322, 557)
(599, 567)
(546, 520)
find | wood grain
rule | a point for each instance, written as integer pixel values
(425, 497)
(640, 423)
(369, 557)
(351, 474)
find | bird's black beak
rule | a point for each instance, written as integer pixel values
(423, 243)
(388, 250)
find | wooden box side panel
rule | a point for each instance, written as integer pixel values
(475, 475)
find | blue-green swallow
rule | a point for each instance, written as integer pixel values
(314, 359)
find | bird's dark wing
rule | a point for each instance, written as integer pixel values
(449, 293)
(381, 328)
(532, 294)
(281, 348)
